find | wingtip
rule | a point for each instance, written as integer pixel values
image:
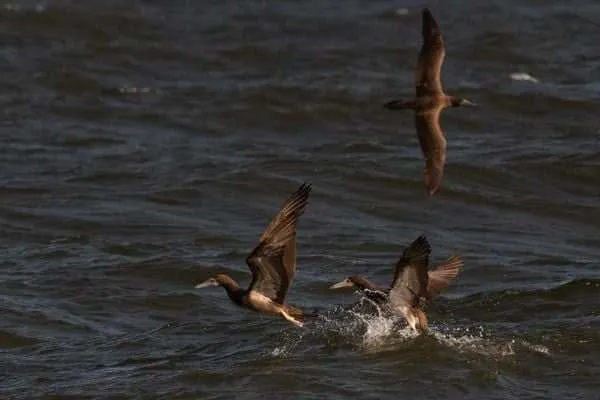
(301, 194)
(419, 246)
(427, 15)
(430, 25)
(443, 274)
(306, 187)
(282, 227)
(432, 185)
(455, 262)
(422, 239)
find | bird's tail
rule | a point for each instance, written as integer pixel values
(400, 105)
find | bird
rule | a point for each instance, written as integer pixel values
(272, 264)
(429, 102)
(412, 283)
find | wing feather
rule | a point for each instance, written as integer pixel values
(433, 146)
(273, 261)
(429, 69)
(440, 277)
(410, 276)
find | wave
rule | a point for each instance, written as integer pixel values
(573, 290)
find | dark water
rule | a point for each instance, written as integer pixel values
(145, 145)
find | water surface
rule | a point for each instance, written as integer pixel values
(146, 145)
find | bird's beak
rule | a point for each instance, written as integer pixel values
(341, 284)
(205, 284)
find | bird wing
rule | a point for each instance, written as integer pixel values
(410, 276)
(273, 261)
(440, 277)
(433, 145)
(429, 69)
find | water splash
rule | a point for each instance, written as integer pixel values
(536, 348)
(369, 327)
(364, 325)
(473, 340)
(289, 341)
(380, 328)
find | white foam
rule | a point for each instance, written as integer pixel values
(474, 343)
(378, 329)
(523, 76)
(280, 351)
(538, 348)
(289, 342)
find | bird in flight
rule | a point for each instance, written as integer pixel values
(272, 264)
(429, 102)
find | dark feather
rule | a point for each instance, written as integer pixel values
(433, 145)
(273, 261)
(431, 58)
(410, 277)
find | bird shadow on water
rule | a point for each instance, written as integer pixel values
(367, 328)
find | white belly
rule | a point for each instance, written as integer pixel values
(261, 303)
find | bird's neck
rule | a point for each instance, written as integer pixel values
(452, 101)
(363, 283)
(233, 290)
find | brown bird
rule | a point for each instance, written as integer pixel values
(272, 264)
(429, 102)
(412, 282)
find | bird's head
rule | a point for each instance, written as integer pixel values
(460, 101)
(217, 280)
(351, 281)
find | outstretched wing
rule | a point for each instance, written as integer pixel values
(431, 58)
(433, 145)
(440, 277)
(410, 277)
(273, 261)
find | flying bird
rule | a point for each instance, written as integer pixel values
(412, 283)
(272, 264)
(429, 102)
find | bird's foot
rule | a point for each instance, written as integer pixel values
(292, 319)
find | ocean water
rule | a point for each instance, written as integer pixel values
(145, 146)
